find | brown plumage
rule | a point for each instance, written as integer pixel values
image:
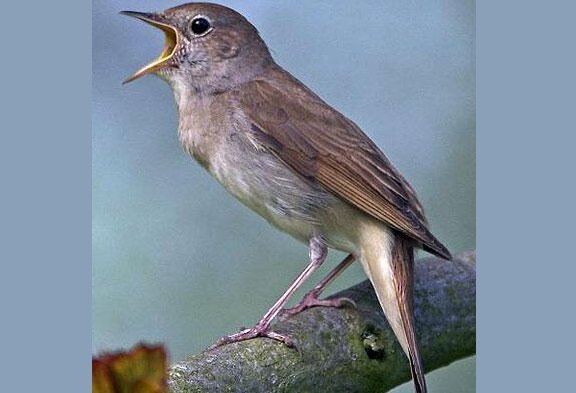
(293, 159)
(323, 145)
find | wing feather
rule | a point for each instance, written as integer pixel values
(321, 144)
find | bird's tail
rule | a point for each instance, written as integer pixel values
(390, 269)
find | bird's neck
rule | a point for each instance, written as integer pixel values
(202, 115)
(197, 130)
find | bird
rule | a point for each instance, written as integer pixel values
(296, 161)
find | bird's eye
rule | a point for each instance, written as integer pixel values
(200, 25)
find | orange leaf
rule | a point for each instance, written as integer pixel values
(141, 370)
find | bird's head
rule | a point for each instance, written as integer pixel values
(207, 47)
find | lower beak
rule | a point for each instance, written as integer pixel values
(170, 44)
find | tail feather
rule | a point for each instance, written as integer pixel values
(403, 267)
(390, 269)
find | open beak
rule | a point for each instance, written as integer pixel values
(170, 44)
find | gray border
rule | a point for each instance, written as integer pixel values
(525, 91)
(45, 231)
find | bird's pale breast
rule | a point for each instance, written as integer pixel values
(258, 179)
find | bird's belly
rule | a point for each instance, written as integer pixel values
(274, 191)
(263, 183)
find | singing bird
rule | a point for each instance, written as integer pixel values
(293, 159)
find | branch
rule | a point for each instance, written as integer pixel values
(347, 349)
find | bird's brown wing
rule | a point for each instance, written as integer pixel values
(321, 144)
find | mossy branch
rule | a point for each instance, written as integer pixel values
(347, 349)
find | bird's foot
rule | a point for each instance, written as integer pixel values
(248, 334)
(311, 300)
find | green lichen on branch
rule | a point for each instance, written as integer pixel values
(347, 349)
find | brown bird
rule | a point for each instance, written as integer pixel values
(293, 159)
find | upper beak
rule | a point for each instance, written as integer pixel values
(170, 45)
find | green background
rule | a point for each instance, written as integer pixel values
(178, 260)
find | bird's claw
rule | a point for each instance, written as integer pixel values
(254, 332)
(311, 300)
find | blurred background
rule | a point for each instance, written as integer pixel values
(178, 260)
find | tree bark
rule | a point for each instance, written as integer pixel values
(347, 349)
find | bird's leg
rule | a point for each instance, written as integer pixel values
(318, 253)
(311, 299)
